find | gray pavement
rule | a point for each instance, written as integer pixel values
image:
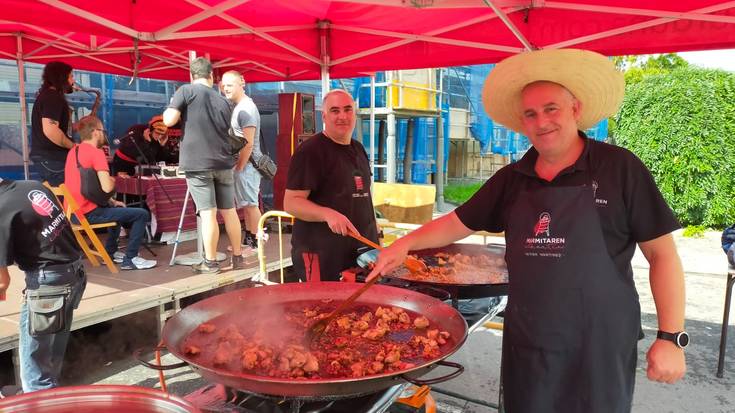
(102, 354)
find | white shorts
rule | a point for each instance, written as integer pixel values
(247, 186)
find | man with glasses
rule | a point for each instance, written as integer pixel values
(88, 154)
(141, 144)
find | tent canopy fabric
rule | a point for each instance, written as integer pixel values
(270, 40)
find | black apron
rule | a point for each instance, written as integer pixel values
(572, 321)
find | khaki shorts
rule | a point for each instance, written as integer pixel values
(211, 189)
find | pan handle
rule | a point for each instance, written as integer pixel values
(138, 354)
(459, 370)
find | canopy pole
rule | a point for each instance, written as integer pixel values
(440, 146)
(390, 143)
(372, 123)
(324, 54)
(23, 105)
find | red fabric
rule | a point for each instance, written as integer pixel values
(167, 213)
(89, 157)
(355, 27)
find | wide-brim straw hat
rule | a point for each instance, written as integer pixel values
(591, 77)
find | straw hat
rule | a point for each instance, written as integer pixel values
(591, 77)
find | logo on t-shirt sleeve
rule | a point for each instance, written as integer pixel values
(41, 203)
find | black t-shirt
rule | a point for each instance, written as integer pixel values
(338, 177)
(49, 104)
(205, 118)
(33, 229)
(630, 206)
(152, 150)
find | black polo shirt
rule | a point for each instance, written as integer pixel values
(630, 206)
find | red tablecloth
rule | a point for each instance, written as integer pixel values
(166, 213)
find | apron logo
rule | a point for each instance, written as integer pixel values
(598, 201)
(542, 226)
(542, 244)
(359, 186)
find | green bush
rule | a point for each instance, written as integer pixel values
(694, 231)
(458, 194)
(682, 126)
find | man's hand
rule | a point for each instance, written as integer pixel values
(338, 223)
(241, 162)
(116, 203)
(388, 259)
(4, 282)
(666, 362)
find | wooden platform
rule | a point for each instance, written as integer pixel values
(110, 296)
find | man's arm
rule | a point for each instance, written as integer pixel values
(297, 204)
(55, 134)
(106, 181)
(4, 282)
(171, 116)
(666, 362)
(437, 233)
(247, 150)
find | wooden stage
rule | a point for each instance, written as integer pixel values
(109, 296)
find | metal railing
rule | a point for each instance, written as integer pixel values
(263, 276)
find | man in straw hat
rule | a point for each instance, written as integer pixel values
(572, 210)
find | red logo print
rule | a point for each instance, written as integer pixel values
(358, 183)
(41, 203)
(542, 226)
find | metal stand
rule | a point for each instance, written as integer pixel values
(725, 319)
(191, 258)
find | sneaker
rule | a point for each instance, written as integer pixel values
(138, 263)
(118, 257)
(206, 267)
(238, 262)
(7, 391)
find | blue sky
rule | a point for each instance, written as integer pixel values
(714, 59)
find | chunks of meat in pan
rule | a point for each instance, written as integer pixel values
(360, 343)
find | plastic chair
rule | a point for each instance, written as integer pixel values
(84, 227)
(725, 319)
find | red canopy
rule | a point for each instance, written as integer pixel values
(294, 39)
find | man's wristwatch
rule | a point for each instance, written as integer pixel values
(681, 339)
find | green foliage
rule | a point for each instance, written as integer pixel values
(458, 194)
(638, 67)
(694, 231)
(682, 126)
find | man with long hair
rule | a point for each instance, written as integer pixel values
(51, 123)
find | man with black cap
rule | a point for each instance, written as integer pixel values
(142, 142)
(573, 211)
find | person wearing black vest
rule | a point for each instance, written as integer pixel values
(573, 211)
(36, 235)
(51, 123)
(328, 191)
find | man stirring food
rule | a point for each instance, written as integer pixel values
(573, 211)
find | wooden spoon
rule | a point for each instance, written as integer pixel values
(413, 264)
(316, 329)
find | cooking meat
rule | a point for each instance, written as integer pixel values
(356, 344)
(421, 322)
(192, 350)
(206, 328)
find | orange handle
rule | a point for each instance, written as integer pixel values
(365, 240)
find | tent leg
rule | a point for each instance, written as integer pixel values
(23, 106)
(391, 149)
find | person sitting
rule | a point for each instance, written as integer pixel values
(141, 144)
(89, 155)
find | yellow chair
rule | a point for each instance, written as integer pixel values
(84, 227)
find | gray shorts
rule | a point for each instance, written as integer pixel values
(211, 189)
(247, 186)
